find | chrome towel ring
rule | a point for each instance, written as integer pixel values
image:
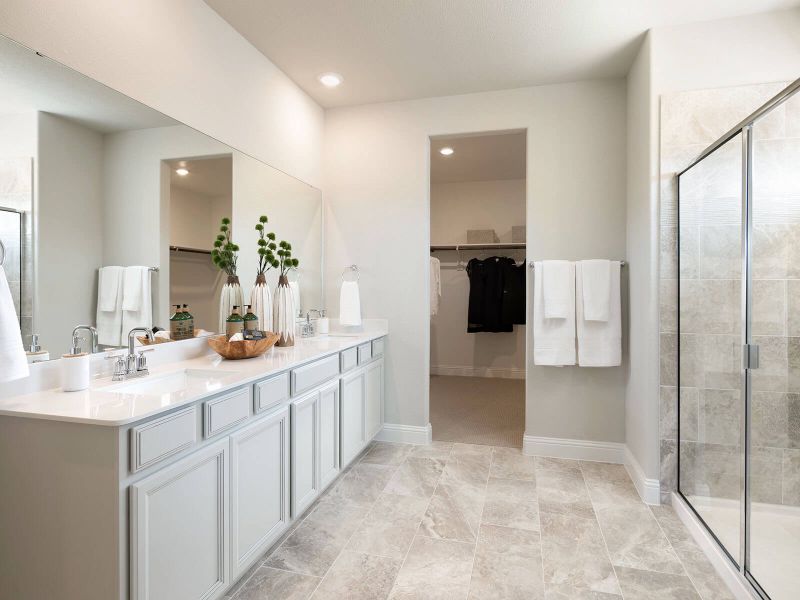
(354, 269)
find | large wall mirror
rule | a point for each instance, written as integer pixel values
(90, 178)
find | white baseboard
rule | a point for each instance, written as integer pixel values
(405, 434)
(649, 489)
(469, 371)
(740, 589)
(611, 452)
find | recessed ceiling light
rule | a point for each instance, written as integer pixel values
(446, 151)
(330, 80)
(182, 171)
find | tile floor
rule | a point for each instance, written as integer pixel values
(464, 521)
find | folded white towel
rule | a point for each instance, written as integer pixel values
(132, 288)
(436, 285)
(109, 294)
(108, 284)
(595, 279)
(553, 339)
(558, 284)
(143, 316)
(600, 342)
(13, 362)
(350, 304)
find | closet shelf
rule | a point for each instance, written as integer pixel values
(494, 246)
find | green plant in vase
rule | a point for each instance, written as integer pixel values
(225, 255)
(261, 296)
(286, 298)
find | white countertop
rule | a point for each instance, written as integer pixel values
(100, 405)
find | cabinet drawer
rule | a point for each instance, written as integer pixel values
(156, 440)
(349, 359)
(310, 376)
(377, 348)
(226, 411)
(271, 392)
(364, 353)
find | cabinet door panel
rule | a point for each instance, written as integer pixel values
(374, 399)
(329, 434)
(179, 529)
(305, 452)
(259, 487)
(352, 420)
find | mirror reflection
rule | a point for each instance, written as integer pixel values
(109, 212)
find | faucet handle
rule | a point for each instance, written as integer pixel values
(119, 367)
(141, 361)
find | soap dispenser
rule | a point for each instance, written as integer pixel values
(188, 322)
(75, 368)
(176, 323)
(235, 323)
(250, 319)
(35, 353)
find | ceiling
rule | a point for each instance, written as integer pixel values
(484, 157)
(210, 177)
(31, 82)
(396, 50)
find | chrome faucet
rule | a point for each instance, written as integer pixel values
(136, 364)
(91, 330)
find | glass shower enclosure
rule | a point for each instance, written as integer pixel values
(739, 344)
(11, 235)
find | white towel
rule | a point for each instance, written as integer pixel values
(294, 286)
(600, 342)
(596, 281)
(139, 278)
(350, 304)
(109, 306)
(13, 361)
(108, 285)
(558, 284)
(553, 339)
(436, 285)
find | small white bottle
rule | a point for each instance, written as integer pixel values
(75, 368)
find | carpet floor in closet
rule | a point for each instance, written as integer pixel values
(478, 410)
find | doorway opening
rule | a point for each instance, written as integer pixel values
(478, 287)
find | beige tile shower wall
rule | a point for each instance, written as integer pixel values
(710, 307)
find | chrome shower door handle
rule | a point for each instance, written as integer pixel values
(750, 356)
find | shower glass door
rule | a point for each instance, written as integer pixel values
(10, 252)
(739, 344)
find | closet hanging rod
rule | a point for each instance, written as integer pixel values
(189, 250)
(495, 246)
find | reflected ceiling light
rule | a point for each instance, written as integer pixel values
(446, 151)
(330, 80)
(182, 171)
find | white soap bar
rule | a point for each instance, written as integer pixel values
(236, 337)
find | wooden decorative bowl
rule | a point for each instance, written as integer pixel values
(242, 349)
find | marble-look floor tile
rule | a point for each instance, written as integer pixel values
(383, 453)
(511, 503)
(574, 555)
(434, 570)
(363, 484)
(454, 512)
(472, 450)
(468, 468)
(508, 564)
(511, 463)
(634, 539)
(609, 484)
(546, 463)
(358, 576)
(416, 477)
(312, 547)
(563, 492)
(436, 450)
(275, 583)
(567, 592)
(390, 526)
(637, 584)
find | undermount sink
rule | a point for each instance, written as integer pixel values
(171, 383)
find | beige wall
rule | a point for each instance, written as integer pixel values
(455, 208)
(377, 190)
(183, 59)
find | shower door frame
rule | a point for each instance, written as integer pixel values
(749, 350)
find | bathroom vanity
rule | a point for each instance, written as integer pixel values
(173, 485)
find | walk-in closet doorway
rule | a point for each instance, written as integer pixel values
(478, 284)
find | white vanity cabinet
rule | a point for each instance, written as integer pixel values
(329, 460)
(259, 488)
(179, 528)
(305, 452)
(373, 398)
(353, 429)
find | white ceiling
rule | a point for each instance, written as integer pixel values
(485, 157)
(207, 176)
(31, 82)
(402, 49)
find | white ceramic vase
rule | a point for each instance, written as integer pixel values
(261, 303)
(283, 311)
(231, 296)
